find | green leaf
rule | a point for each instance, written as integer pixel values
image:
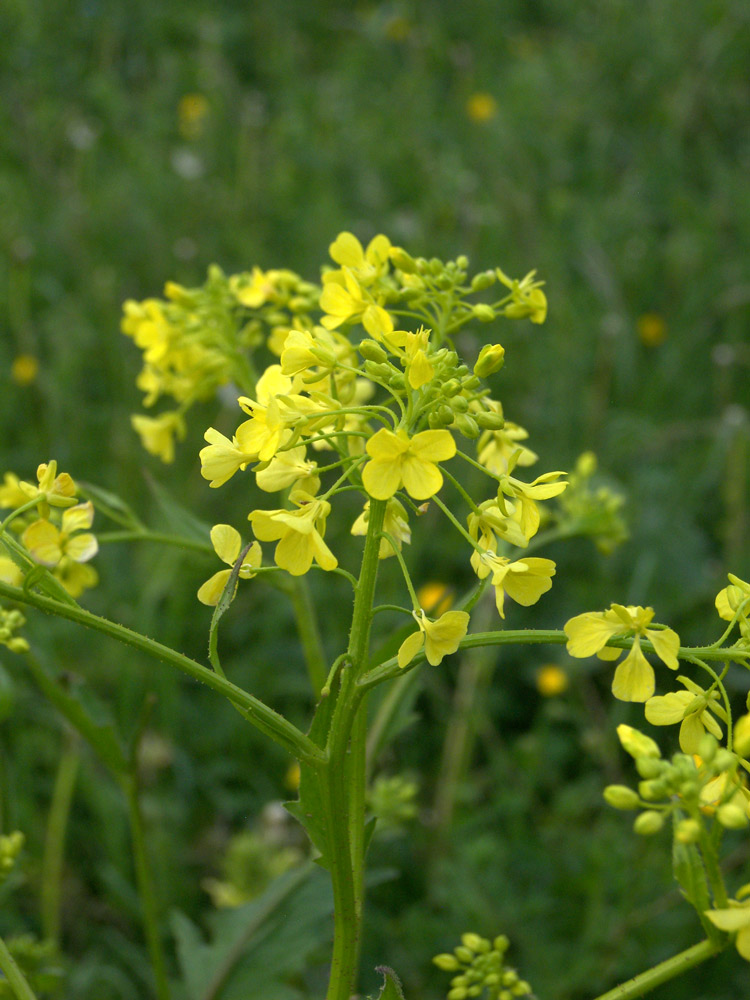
(179, 520)
(391, 985)
(255, 949)
(111, 506)
(688, 870)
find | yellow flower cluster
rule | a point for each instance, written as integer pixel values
(59, 537)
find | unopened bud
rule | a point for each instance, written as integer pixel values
(467, 426)
(637, 744)
(652, 790)
(462, 262)
(648, 823)
(464, 954)
(372, 351)
(491, 359)
(483, 312)
(707, 747)
(485, 279)
(402, 260)
(488, 420)
(732, 816)
(448, 963)
(649, 767)
(621, 797)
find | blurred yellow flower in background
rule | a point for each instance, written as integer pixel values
(652, 329)
(24, 369)
(551, 680)
(192, 112)
(435, 597)
(481, 107)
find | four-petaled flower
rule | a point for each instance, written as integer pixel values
(398, 459)
(524, 580)
(634, 679)
(439, 638)
(227, 545)
(692, 708)
(48, 544)
(298, 532)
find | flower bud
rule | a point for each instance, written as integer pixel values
(458, 993)
(467, 425)
(488, 420)
(491, 359)
(372, 351)
(732, 816)
(501, 943)
(637, 744)
(724, 760)
(707, 747)
(649, 767)
(402, 260)
(621, 797)
(652, 790)
(464, 954)
(483, 312)
(687, 831)
(485, 279)
(436, 266)
(462, 262)
(648, 823)
(448, 963)
(475, 942)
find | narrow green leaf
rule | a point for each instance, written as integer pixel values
(391, 984)
(179, 519)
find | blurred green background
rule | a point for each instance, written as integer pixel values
(605, 144)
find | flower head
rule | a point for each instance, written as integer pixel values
(298, 532)
(48, 544)
(227, 545)
(634, 679)
(524, 580)
(439, 638)
(692, 709)
(397, 459)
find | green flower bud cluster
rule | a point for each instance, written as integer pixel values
(592, 511)
(10, 622)
(10, 848)
(681, 786)
(393, 801)
(481, 969)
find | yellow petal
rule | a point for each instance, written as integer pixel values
(381, 478)
(409, 648)
(226, 542)
(294, 553)
(346, 250)
(444, 635)
(433, 446)
(733, 919)
(634, 677)
(42, 539)
(667, 709)
(666, 643)
(212, 589)
(82, 547)
(422, 479)
(589, 632)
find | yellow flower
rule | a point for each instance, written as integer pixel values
(496, 448)
(524, 580)
(526, 494)
(222, 457)
(191, 113)
(436, 597)
(284, 469)
(652, 329)
(734, 598)
(57, 491)
(341, 300)
(528, 299)
(47, 544)
(634, 679)
(490, 524)
(412, 348)
(227, 545)
(398, 459)
(395, 523)
(551, 680)
(267, 429)
(366, 265)
(74, 576)
(24, 369)
(298, 532)
(692, 708)
(11, 494)
(158, 434)
(439, 638)
(252, 290)
(481, 107)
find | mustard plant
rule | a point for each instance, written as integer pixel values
(354, 385)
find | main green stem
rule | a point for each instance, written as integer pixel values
(344, 777)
